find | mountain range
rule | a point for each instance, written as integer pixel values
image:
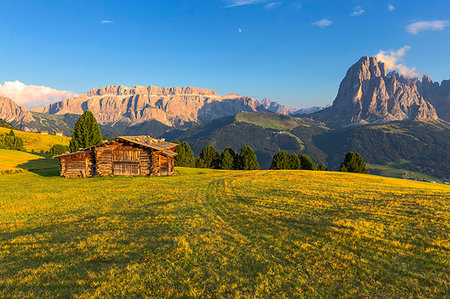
(373, 109)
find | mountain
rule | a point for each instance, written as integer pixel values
(282, 109)
(367, 95)
(13, 113)
(408, 146)
(438, 95)
(170, 106)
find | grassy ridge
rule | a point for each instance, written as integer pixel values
(36, 141)
(223, 233)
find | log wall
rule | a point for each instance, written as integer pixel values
(117, 159)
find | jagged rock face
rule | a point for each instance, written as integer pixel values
(13, 113)
(438, 95)
(368, 95)
(170, 106)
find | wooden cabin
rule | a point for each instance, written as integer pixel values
(123, 156)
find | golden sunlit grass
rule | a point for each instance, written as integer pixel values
(36, 141)
(216, 233)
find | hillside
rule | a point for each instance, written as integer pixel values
(37, 142)
(422, 147)
(223, 234)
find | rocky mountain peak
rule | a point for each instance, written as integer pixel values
(368, 95)
(13, 113)
(120, 90)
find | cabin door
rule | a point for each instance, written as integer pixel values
(126, 162)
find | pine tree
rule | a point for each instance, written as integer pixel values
(11, 133)
(189, 160)
(281, 161)
(246, 160)
(294, 162)
(179, 149)
(227, 159)
(353, 162)
(210, 156)
(306, 162)
(87, 132)
(200, 163)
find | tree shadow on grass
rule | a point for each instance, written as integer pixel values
(44, 166)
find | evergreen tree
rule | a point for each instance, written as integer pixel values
(11, 133)
(200, 163)
(246, 160)
(353, 162)
(227, 159)
(294, 162)
(179, 159)
(281, 161)
(87, 132)
(189, 160)
(322, 167)
(210, 156)
(306, 162)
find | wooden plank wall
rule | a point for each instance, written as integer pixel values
(125, 158)
(77, 165)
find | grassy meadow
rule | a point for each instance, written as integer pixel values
(36, 141)
(214, 233)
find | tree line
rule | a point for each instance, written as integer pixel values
(87, 133)
(209, 157)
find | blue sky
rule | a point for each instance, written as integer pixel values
(295, 52)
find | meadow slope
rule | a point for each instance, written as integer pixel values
(220, 233)
(36, 141)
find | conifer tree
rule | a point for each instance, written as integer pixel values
(294, 162)
(281, 161)
(227, 159)
(306, 162)
(353, 162)
(87, 132)
(189, 160)
(179, 159)
(247, 160)
(210, 156)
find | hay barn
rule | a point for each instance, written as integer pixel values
(123, 156)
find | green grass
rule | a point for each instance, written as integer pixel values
(269, 120)
(215, 233)
(37, 142)
(396, 170)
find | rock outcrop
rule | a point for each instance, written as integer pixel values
(170, 106)
(438, 95)
(368, 95)
(13, 113)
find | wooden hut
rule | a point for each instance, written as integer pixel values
(123, 156)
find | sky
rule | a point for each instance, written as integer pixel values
(294, 52)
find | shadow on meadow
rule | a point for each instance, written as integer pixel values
(43, 165)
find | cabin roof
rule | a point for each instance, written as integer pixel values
(147, 141)
(84, 151)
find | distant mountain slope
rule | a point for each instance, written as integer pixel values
(170, 106)
(5, 124)
(423, 147)
(367, 95)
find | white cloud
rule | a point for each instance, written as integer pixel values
(391, 7)
(240, 30)
(416, 27)
(32, 95)
(322, 23)
(357, 12)
(106, 22)
(234, 3)
(391, 59)
(272, 5)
